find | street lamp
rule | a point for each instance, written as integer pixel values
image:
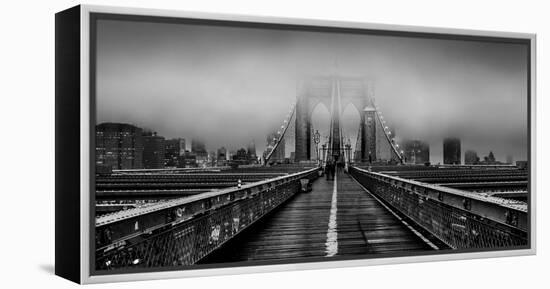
(348, 151)
(316, 140)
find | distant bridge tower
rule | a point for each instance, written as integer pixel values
(315, 91)
(335, 126)
(368, 137)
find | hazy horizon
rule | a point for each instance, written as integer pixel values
(229, 85)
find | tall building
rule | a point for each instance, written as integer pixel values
(222, 153)
(416, 152)
(222, 156)
(187, 160)
(251, 152)
(153, 151)
(471, 157)
(119, 145)
(231, 153)
(241, 157)
(173, 149)
(198, 148)
(509, 159)
(451, 151)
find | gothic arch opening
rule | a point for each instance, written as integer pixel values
(350, 120)
(320, 121)
(338, 92)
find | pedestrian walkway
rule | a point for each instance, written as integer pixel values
(336, 218)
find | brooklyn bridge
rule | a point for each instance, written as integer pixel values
(331, 201)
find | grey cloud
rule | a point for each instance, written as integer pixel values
(232, 85)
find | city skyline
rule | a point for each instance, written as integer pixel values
(407, 144)
(259, 151)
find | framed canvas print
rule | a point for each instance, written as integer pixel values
(192, 144)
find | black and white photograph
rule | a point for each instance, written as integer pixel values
(234, 144)
(275, 144)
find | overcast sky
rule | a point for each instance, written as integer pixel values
(229, 86)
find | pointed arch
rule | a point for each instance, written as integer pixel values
(350, 122)
(320, 121)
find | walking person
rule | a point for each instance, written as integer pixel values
(332, 169)
(327, 169)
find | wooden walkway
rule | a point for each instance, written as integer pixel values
(329, 221)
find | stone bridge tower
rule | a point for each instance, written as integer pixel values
(322, 90)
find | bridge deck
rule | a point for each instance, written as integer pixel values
(317, 224)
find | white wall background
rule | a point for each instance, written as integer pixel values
(27, 143)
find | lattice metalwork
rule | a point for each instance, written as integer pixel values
(184, 243)
(459, 228)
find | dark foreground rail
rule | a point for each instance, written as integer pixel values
(457, 218)
(183, 231)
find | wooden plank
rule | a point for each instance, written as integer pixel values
(299, 228)
(361, 216)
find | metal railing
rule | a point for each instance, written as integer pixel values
(182, 232)
(457, 218)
